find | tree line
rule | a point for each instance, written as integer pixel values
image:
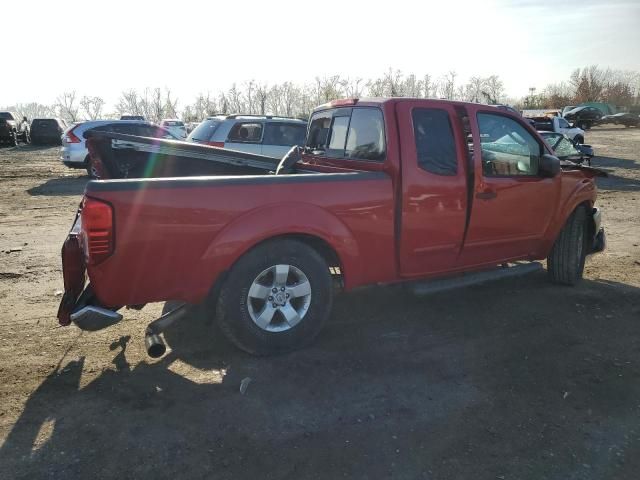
(593, 83)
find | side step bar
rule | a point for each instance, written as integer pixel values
(433, 286)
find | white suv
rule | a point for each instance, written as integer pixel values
(266, 135)
(175, 126)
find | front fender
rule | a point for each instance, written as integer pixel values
(274, 220)
(581, 192)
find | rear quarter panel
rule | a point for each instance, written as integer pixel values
(174, 237)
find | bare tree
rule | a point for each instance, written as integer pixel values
(170, 107)
(449, 85)
(91, 107)
(352, 88)
(262, 94)
(66, 106)
(473, 89)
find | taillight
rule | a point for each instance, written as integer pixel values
(70, 137)
(216, 144)
(97, 230)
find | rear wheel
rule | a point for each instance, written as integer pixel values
(565, 263)
(275, 298)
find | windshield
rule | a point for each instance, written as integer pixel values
(6, 116)
(204, 131)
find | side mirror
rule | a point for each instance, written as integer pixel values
(549, 166)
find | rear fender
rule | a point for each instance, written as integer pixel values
(281, 219)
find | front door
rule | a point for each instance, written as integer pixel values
(512, 204)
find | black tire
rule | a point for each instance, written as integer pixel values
(13, 141)
(579, 139)
(565, 263)
(233, 309)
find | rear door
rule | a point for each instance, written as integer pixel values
(246, 136)
(512, 203)
(434, 192)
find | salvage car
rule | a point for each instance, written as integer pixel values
(384, 191)
(14, 130)
(567, 149)
(623, 118)
(47, 131)
(583, 117)
(74, 153)
(558, 125)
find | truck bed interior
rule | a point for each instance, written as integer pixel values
(129, 156)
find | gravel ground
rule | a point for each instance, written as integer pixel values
(513, 380)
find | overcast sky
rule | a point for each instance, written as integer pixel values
(103, 47)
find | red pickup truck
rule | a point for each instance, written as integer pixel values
(384, 191)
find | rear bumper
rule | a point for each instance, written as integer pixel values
(79, 304)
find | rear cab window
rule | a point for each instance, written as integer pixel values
(355, 133)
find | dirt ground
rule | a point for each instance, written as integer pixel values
(513, 380)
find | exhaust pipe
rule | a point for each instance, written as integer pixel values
(153, 342)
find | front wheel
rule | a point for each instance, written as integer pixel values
(275, 298)
(565, 263)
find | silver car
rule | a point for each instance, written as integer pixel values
(266, 135)
(74, 153)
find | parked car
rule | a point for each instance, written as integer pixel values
(132, 117)
(566, 109)
(384, 191)
(47, 131)
(74, 153)
(567, 149)
(583, 117)
(559, 125)
(264, 135)
(626, 119)
(14, 130)
(176, 127)
(191, 126)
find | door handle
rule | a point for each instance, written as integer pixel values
(486, 194)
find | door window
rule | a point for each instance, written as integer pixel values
(435, 145)
(246, 132)
(508, 149)
(563, 123)
(285, 134)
